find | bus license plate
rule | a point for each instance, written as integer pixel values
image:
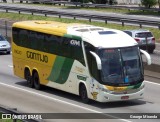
(125, 97)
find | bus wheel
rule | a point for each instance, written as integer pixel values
(83, 93)
(8, 52)
(28, 78)
(36, 81)
(150, 51)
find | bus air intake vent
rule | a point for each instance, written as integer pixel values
(106, 32)
(42, 22)
(94, 29)
(82, 30)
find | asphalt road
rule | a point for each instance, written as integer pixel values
(14, 93)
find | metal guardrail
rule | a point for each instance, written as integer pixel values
(90, 17)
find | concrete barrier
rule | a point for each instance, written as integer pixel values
(153, 67)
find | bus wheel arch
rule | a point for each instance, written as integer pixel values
(83, 92)
(36, 80)
(28, 77)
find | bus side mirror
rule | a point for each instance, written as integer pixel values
(98, 60)
(147, 56)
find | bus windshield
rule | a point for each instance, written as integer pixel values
(120, 66)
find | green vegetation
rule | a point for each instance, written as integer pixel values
(9, 120)
(149, 3)
(19, 17)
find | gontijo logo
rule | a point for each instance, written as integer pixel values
(37, 56)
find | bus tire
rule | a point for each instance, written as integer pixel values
(8, 52)
(28, 77)
(150, 51)
(36, 81)
(83, 93)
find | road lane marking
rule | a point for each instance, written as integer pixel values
(10, 66)
(58, 100)
(157, 43)
(152, 82)
(157, 51)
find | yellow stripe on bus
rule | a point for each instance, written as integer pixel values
(113, 88)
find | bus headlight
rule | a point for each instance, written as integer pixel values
(104, 89)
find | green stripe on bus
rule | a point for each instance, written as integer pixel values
(61, 70)
(55, 73)
(137, 86)
(134, 86)
(73, 37)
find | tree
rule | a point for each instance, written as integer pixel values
(111, 2)
(5, 1)
(149, 3)
(100, 1)
(159, 3)
(96, 1)
(82, 1)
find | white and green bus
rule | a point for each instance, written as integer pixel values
(93, 62)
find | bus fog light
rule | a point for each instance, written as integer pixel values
(106, 97)
(141, 94)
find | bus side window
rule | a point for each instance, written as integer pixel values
(50, 43)
(40, 41)
(47, 40)
(15, 34)
(32, 39)
(23, 38)
(77, 52)
(65, 47)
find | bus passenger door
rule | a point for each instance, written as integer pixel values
(95, 78)
(94, 68)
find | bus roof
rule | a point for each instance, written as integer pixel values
(102, 37)
(97, 36)
(49, 27)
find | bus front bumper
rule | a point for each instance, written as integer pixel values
(108, 97)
